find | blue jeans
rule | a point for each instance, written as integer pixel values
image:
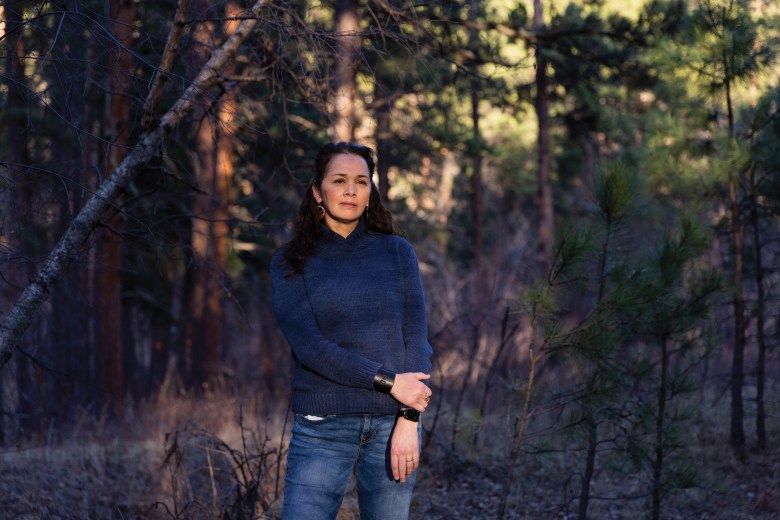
(325, 453)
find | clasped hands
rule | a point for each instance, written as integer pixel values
(409, 390)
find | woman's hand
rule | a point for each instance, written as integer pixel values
(410, 390)
(404, 449)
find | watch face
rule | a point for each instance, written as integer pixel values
(411, 414)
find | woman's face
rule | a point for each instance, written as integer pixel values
(344, 192)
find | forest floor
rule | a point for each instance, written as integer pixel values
(202, 459)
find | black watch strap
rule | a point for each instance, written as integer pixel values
(410, 414)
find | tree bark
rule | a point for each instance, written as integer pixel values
(660, 429)
(113, 366)
(210, 230)
(344, 92)
(476, 162)
(476, 184)
(382, 105)
(737, 430)
(19, 202)
(18, 319)
(544, 195)
(203, 325)
(755, 221)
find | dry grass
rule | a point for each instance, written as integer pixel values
(190, 458)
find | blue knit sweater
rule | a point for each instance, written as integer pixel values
(358, 306)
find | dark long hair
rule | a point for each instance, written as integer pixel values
(308, 233)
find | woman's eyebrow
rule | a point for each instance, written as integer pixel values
(346, 175)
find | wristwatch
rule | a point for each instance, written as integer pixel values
(410, 414)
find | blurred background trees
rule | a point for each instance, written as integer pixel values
(512, 137)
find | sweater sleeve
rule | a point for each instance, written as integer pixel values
(415, 324)
(311, 349)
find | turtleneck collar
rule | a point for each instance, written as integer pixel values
(333, 242)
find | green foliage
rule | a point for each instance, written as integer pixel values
(726, 47)
(615, 192)
(574, 245)
(646, 310)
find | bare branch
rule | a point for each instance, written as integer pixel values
(20, 317)
(171, 47)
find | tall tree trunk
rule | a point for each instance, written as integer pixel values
(737, 434)
(112, 362)
(14, 121)
(660, 427)
(737, 431)
(755, 222)
(3, 404)
(225, 152)
(382, 104)
(344, 89)
(544, 193)
(476, 184)
(449, 171)
(92, 152)
(761, 439)
(210, 231)
(476, 161)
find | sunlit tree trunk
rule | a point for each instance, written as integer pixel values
(202, 336)
(344, 89)
(210, 232)
(544, 194)
(227, 118)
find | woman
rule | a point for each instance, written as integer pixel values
(348, 297)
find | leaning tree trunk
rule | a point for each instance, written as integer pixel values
(18, 319)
